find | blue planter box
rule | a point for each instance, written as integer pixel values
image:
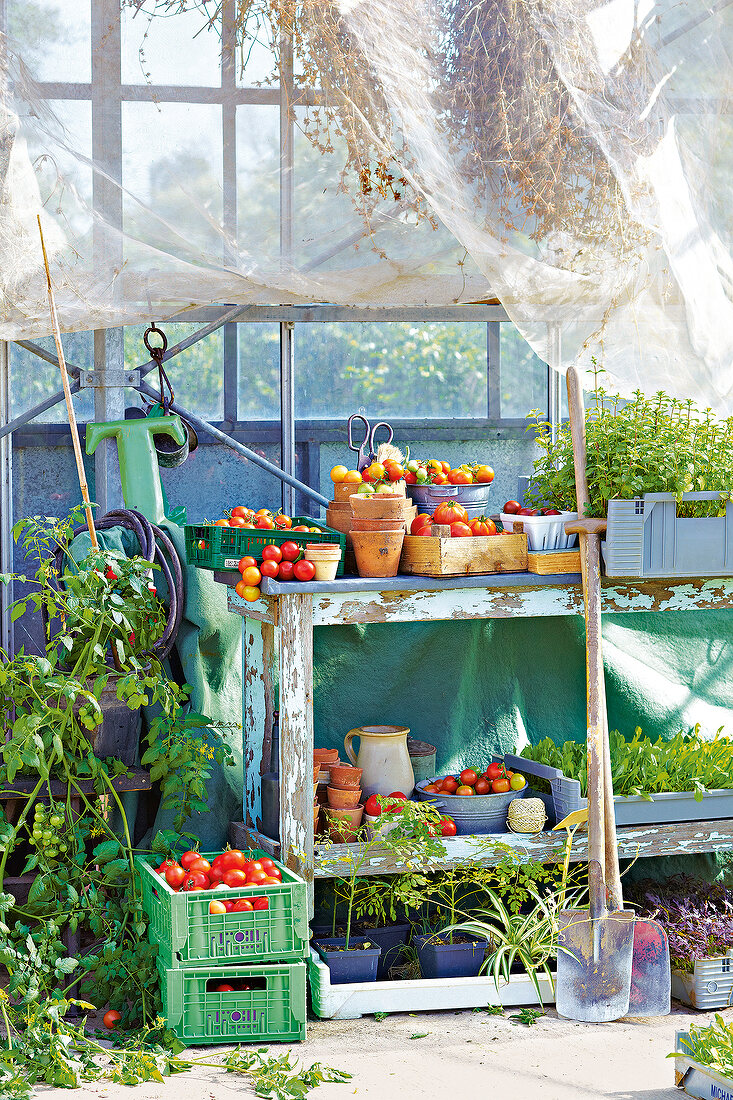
(348, 966)
(449, 960)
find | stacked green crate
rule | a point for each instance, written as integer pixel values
(259, 954)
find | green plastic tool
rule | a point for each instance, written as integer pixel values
(139, 472)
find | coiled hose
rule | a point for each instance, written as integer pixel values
(151, 539)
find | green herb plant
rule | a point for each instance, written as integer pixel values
(645, 445)
(644, 767)
(711, 1045)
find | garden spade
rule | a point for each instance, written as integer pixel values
(595, 946)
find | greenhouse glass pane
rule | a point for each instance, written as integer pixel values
(259, 372)
(32, 380)
(523, 376)
(180, 48)
(390, 369)
(196, 375)
(53, 37)
(258, 181)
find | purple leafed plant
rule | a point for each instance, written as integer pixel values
(697, 916)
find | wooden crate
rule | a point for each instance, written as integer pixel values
(545, 562)
(441, 557)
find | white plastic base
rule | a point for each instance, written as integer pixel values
(349, 1002)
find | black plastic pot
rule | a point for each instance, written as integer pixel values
(347, 967)
(390, 938)
(449, 960)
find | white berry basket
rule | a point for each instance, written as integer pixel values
(543, 532)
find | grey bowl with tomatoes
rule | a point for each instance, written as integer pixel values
(473, 814)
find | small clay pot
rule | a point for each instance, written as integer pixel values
(316, 770)
(377, 553)
(325, 756)
(379, 506)
(343, 490)
(342, 824)
(344, 777)
(358, 523)
(339, 521)
(343, 799)
(316, 816)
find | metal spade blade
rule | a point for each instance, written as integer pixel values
(651, 978)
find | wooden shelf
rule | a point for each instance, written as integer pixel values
(135, 779)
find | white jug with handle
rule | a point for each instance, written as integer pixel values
(383, 758)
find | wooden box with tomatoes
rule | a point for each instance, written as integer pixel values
(212, 547)
(190, 929)
(431, 556)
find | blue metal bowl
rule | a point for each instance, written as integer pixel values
(479, 813)
(474, 498)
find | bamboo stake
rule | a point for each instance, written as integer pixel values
(67, 394)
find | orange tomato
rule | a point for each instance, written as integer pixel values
(484, 475)
(217, 907)
(459, 477)
(464, 790)
(251, 575)
(419, 521)
(248, 592)
(446, 467)
(222, 523)
(246, 563)
(353, 477)
(283, 522)
(377, 471)
(338, 473)
(265, 523)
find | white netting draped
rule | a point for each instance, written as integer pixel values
(572, 158)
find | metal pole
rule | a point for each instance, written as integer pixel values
(287, 254)
(6, 504)
(554, 362)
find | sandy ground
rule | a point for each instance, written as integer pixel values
(461, 1056)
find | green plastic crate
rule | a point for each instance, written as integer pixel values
(188, 935)
(210, 547)
(273, 1011)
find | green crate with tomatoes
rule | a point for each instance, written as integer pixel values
(230, 914)
(210, 546)
(235, 1004)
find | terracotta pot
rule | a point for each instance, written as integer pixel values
(342, 824)
(379, 506)
(316, 816)
(323, 551)
(358, 523)
(325, 755)
(345, 799)
(339, 521)
(343, 491)
(345, 777)
(326, 561)
(321, 795)
(316, 770)
(377, 552)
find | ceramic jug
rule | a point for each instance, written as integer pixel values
(383, 758)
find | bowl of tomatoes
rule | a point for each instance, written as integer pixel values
(478, 801)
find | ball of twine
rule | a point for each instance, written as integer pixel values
(527, 815)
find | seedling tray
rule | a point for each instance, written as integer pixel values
(646, 538)
(211, 547)
(632, 809)
(349, 1002)
(709, 986)
(188, 935)
(696, 1079)
(273, 1010)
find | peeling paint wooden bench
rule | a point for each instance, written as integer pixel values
(293, 612)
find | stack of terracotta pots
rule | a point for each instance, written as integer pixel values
(323, 759)
(378, 525)
(344, 808)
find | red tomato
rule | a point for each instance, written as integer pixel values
(272, 553)
(464, 790)
(196, 880)
(482, 526)
(256, 878)
(221, 523)
(551, 512)
(244, 905)
(459, 477)
(419, 521)
(398, 794)
(175, 876)
(511, 508)
(111, 1018)
(410, 478)
(426, 531)
(500, 786)
(372, 807)
(282, 522)
(432, 788)
(468, 777)
(285, 571)
(447, 826)
(494, 771)
(267, 863)
(255, 865)
(270, 880)
(163, 867)
(229, 906)
(460, 530)
(450, 511)
(290, 551)
(304, 570)
(449, 784)
(224, 988)
(265, 523)
(235, 878)
(395, 472)
(482, 786)
(232, 858)
(529, 511)
(246, 563)
(188, 857)
(217, 907)
(235, 521)
(439, 479)
(301, 527)
(241, 512)
(201, 865)
(270, 568)
(260, 903)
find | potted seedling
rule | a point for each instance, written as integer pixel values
(449, 952)
(409, 841)
(377, 906)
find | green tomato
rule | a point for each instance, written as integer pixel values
(47, 834)
(50, 852)
(57, 821)
(422, 476)
(413, 466)
(364, 490)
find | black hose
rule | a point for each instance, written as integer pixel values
(154, 544)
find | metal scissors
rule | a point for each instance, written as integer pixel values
(365, 449)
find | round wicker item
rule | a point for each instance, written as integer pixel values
(526, 815)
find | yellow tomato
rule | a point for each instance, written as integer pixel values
(338, 473)
(352, 477)
(377, 471)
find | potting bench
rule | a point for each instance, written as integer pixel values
(292, 612)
